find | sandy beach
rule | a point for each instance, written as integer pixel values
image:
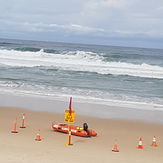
(22, 147)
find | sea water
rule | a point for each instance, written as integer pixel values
(109, 75)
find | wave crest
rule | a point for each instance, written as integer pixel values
(78, 61)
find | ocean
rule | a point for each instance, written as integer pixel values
(110, 75)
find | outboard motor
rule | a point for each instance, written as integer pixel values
(85, 126)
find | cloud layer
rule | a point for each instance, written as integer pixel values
(87, 21)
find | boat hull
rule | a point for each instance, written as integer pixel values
(75, 130)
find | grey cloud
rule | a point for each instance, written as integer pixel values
(90, 19)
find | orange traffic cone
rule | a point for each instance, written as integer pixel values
(15, 124)
(140, 145)
(115, 149)
(23, 118)
(154, 142)
(38, 136)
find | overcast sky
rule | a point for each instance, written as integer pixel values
(137, 23)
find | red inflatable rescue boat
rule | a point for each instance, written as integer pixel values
(75, 130)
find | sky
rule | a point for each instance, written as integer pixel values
(131, 23)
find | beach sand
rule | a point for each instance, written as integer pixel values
(22, 147)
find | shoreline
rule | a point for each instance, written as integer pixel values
(22, 147)
(83, 109)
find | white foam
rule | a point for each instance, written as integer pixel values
(78, 61)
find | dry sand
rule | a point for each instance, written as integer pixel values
(22, 147)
